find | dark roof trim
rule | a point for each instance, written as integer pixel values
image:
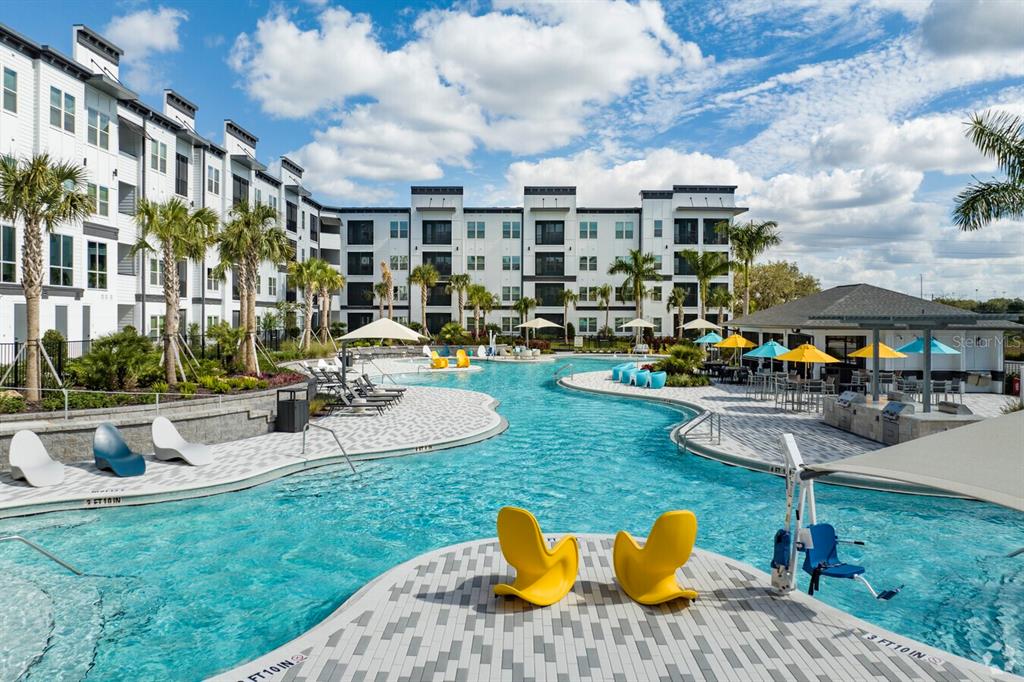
(180, 103)
(655, 194)
(494, 209)
(365, 209)
(217, 151)
(312, 202)
(97, 230)
(704, 189)
(290, 165)
(430, 189)
(240, 132)
(269, 179)
(153, 115)
(557, 190)
(608, 210)
(90, 38)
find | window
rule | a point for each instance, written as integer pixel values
(399, 229)
(475, 263)
(619, 321)
(686, 231)
(509, 324)
(510, 294)
(437, 232)
(156, 272)
(212, 283)
(8, 265)
(550, 232)
(100, 197)
(399, 262)
(475, 229)
(624, 229)
(259, 196)
(511, 229)
(584, 293)
(181, 175)
(360, 263)
(622, 294)
(271, 286)
(11, 90)
(212, 180)
(588, 263)
(96, 273)
(62, 110)
(360, 232)
(158, 157)
(273, 202)
(588, 230)
(588, 325)
(657, 262)
(212, 320)
(61, 260)
(156, 326)
(401, 292)
(655, 293)
(657, 228)
(657, 325)
(441, 260)
(239, 190)
(98, 131)
(549, 265)
(511, 263)
(548, 294)
(259, 285)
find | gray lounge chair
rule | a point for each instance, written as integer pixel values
(30, 461)
(168, 444)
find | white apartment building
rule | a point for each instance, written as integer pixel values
(76, 109)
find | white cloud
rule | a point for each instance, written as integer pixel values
(142, 35)
(974, 26)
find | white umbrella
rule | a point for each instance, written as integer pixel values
(383, 328)
(638, 324)
(700, 323)
(536, 323)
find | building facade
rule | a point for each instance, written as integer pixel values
(76, 109)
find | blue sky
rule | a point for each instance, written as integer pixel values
(842, 120)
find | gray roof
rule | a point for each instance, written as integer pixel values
(838, 304)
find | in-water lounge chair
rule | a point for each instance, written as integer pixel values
(658, 379)
(437, 362)
(543, 575)
(648, 574)
(168, 444)
(461, 359)
(30, 461)
(112, 453)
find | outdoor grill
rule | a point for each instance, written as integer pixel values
(844, 408)
(891, 414)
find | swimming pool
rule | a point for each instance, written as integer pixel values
(187, 589)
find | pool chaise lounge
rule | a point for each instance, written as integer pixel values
(168, 444)
(112, 453)
(543, 575)
(648, 573)
(641, 378)
(658, 380)
(30, 461)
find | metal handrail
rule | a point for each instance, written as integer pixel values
(48, 555)
(341, 447)
(564, 367)
(684, 431)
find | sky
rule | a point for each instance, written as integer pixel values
(841, 120)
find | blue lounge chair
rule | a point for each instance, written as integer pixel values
(627, 375)
(618, 369)
(642, 378)
(658, 379)
(111, 452)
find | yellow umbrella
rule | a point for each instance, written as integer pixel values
(884, 352)
(735, 341)
(806, 353)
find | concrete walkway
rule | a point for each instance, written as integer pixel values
(436, 618)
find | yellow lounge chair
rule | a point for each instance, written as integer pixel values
(437, 362)
(648, 574)
(461, 359)
(543, 576)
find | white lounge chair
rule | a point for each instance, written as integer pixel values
(168, 444)
(30, 461)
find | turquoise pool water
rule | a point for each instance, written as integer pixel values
(186, 589)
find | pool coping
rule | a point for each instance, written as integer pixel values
(86, 500)
(732, 459)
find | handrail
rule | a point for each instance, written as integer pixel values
(564, 367)
(383, 374)
(686, 429)
(341, 447)
(48, 555)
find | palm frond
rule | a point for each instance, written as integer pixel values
(1000, 135)
(984, 202)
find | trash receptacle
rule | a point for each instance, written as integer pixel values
(292, 411)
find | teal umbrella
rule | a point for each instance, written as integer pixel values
(938, 348)
(710, 337)
(770, 350)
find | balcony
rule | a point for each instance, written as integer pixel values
(549, 295)
(437, 232)
(712, 235)
(442, 262)
(549, 265)
(685, 231)
(550, 232)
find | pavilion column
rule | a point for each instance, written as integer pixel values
(874, 364)
(926, 392)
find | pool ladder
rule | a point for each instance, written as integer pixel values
(337, 440)
(48, 555)
(566, 366)
(683, 432)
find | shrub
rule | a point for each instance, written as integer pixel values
(285, 379)
(453, 333)
(414, 325)
(11, 401)
(687, 380)
(188, 388)
(160, 387)
(53, 342)
(570, 330)
(540, 344)
(682, 359)
(117, 362)
(215, 384)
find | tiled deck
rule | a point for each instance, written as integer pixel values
(751, 428)
(436, 618)
(428, 418)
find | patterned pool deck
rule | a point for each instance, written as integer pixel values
(436, 618)
(427, 418)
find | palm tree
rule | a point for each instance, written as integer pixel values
(706, 265)
(330, 281)
(478, 298)
(604, 296)
(380, 291)
(183, 235)
(720, 298)
(459, 284)
(523, 306)
(388, 280)
(425, 276)
(250, 238)
(569, 298)
(750, 240)
(42, 194)
(638, 267)
(307, 276)
(677, 299)
(999, 135)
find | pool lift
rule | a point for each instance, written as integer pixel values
(818, 541)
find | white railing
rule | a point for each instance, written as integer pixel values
(48, 555)
(686, 431)
(566, 366)
(337, 440)
(66, 393)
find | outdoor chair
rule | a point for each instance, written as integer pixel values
(168, 444)
(32, 463)
(111, 452)
(641, 378)
(658, 379)
(648, 573)
(822, 559)
(543, 575)
(461, 359)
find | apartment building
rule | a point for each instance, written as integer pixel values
(76, 109)
(538, 249)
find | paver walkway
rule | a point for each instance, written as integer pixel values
(423, 420)
(436, 618)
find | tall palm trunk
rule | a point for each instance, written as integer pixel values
(565, 321)
(746, 286)
(307, 334)
(462, 305)
(243, 314)
(423, 306)
(252, 361)
(325, 313)
(32, 283)
(607, 313)
(476, 322)
(171, 303)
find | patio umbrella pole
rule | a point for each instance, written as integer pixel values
(926, 392)
(874, 364)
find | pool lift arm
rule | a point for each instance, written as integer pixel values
(785, 558)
